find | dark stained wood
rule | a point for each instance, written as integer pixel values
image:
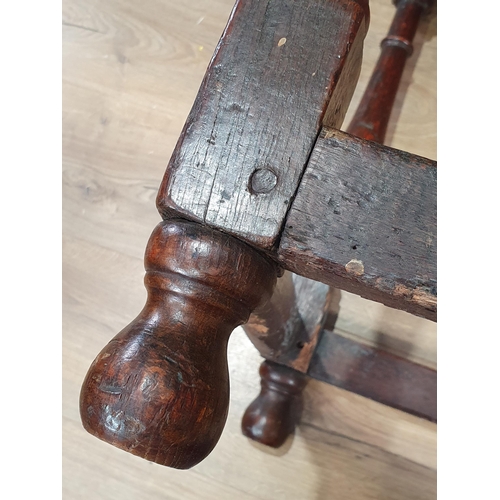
(372, 115)
(376, 374)
(364, 220)
(160, 388)
(275, 327)
(273, 415)
(285, 329)
(280, 70)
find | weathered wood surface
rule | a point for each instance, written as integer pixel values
(286, 328)
(376, 374)
(372, 115)
(396, 331)
(364, 220)
(280, 70)
(274, 328)
(160, 388)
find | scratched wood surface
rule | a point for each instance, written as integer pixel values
(131, 73)
(279, 69)
(364, 220)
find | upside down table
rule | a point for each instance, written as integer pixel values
(263, 184)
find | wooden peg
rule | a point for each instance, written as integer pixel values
(160, 388)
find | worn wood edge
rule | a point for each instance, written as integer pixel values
(416, 296)
(114, 473)
(341, 88)
(286, 329)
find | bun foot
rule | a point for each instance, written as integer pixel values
(160, 388)
(273, 415)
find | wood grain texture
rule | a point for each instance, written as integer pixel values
(412, 124)
(364, 220)
(337, 360)
(375, 374)
(312, 464)
(286, 328)
(111, 174)
(412, 127)
(280, 69)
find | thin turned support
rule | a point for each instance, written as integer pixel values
(160, 388)
(372, 116)
(273, 415)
